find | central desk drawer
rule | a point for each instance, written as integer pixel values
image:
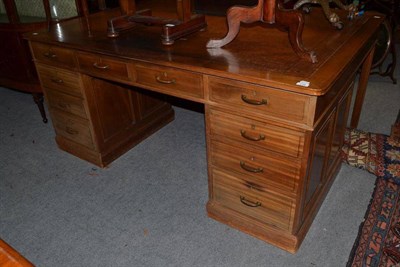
(59, 79)
(252, 200)
(72, 128)
(254, 133)
(102, 66)
(169, 80)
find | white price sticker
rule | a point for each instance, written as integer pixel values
(303, 83)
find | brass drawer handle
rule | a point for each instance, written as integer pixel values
(254, 102)
(98, 66)
(250, 169)
(249, 203)
(259, 138)
(49, 55)
(163, 79)
(71, 131)
(57, 80)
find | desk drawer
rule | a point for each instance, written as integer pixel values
(254, 133)
(252, 200)
(53, 55)
(259, 99)
(102, 66)
(72, 128)
(277, 173)
(169, 80)
(59, 79)
(67, 103)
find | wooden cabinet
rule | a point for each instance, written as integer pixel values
(324, 155)
(257, 165)
(273, 145)
(18, 17)
(95, 119)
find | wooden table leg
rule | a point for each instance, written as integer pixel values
(184, 10)
(271, 12)
(38, 98)
(395, 133)
(128, 7)
(234, 17)
(362, 87)
(293, 22)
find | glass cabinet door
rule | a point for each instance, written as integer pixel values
(63, 9)
(3, 13)
(30, 11)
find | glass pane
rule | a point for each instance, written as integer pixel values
(62, 9)
(3, 13)
(30, 10)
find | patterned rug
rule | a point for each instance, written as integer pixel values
(378, 240)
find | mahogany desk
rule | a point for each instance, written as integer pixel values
(273, 147)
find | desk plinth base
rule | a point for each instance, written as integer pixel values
(264, 232)
(133, 135)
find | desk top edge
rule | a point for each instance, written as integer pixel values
(236, 61)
